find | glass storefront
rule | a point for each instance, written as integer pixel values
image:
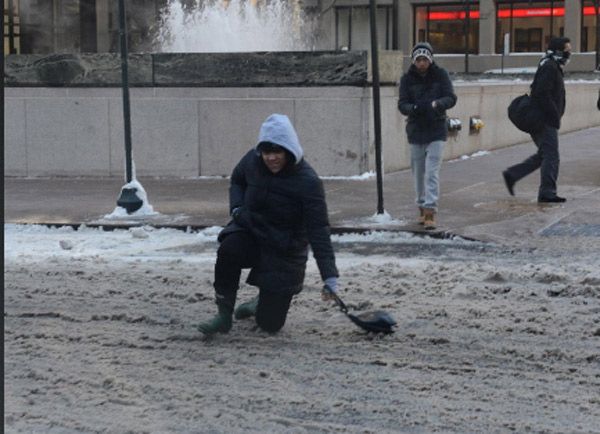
(589, 28)
(447, 27)
(530, 24)
(141, 15)
(12, 27)
(74, 26)
(43, 26)
(353, 29)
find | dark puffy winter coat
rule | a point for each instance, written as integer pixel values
(426, 126)
(548, 90)
(285, 212)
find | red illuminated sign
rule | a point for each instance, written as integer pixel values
(507, 13)
(453, 15)
(589, 10)
(539, 12)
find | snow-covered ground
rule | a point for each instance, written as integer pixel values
(100, 337)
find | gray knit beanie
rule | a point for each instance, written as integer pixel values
(422, 49)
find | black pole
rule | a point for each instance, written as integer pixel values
(376, 105)
(128, 198)
(503, 50)
(125, 85)
(467, 29)
(597, 6)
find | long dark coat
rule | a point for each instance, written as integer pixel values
(548, 90)
(286, 212)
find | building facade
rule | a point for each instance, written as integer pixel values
(477, 27)
(472, 28)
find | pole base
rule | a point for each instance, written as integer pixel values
(129, 200)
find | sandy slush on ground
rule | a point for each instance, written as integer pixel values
(100, 337)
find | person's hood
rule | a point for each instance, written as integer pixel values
(279, 130)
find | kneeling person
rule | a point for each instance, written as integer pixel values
(278, 207)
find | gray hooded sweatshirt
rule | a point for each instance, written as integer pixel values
(279, 130)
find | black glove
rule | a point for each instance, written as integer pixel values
(419, 109)
(242, 216)
(432, 114)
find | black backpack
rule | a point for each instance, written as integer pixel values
(525, 115)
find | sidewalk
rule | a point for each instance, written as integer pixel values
(474, 202)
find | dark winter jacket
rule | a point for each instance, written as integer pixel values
(424, 123)
(285, 212)
(548, 90)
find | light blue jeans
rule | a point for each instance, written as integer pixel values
(425, 162)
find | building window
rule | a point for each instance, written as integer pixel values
(12, 27)
(47, 26)
(590, 23)
(528, 39)
(530, 24)
(67, 28)
(141, 16)
(353, 27)
(448, 27)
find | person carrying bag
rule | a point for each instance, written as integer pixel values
(547, 100)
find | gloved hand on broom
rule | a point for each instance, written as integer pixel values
(330, 288)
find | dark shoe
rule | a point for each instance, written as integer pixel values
(555, 199)
(509, 181)
(219, 324)
(246, 310)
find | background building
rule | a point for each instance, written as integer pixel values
(477, 29)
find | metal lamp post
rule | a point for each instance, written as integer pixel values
(376, 105)
(467, 31)
(597, 11)
(128, 198)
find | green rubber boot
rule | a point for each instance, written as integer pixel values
(219, 324)
(246, 310)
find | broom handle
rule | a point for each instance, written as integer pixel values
(340, 303)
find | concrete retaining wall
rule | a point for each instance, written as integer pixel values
(580, 63)
(188, 132)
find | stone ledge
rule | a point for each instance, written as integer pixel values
(307, 68)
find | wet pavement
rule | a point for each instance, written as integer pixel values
(474, 202)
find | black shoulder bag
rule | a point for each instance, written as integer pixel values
(525, 115)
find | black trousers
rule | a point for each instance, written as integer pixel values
(237, 251)
(546, 159)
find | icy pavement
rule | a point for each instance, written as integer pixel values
(100, 337)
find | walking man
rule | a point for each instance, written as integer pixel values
(548, 96)
(426, 92)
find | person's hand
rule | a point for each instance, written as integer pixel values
(242, 217)
(330, 288)
(420, 108)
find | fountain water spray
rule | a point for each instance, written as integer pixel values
(232, 26)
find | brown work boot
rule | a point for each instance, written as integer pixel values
(429, 219)
(421, 219)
